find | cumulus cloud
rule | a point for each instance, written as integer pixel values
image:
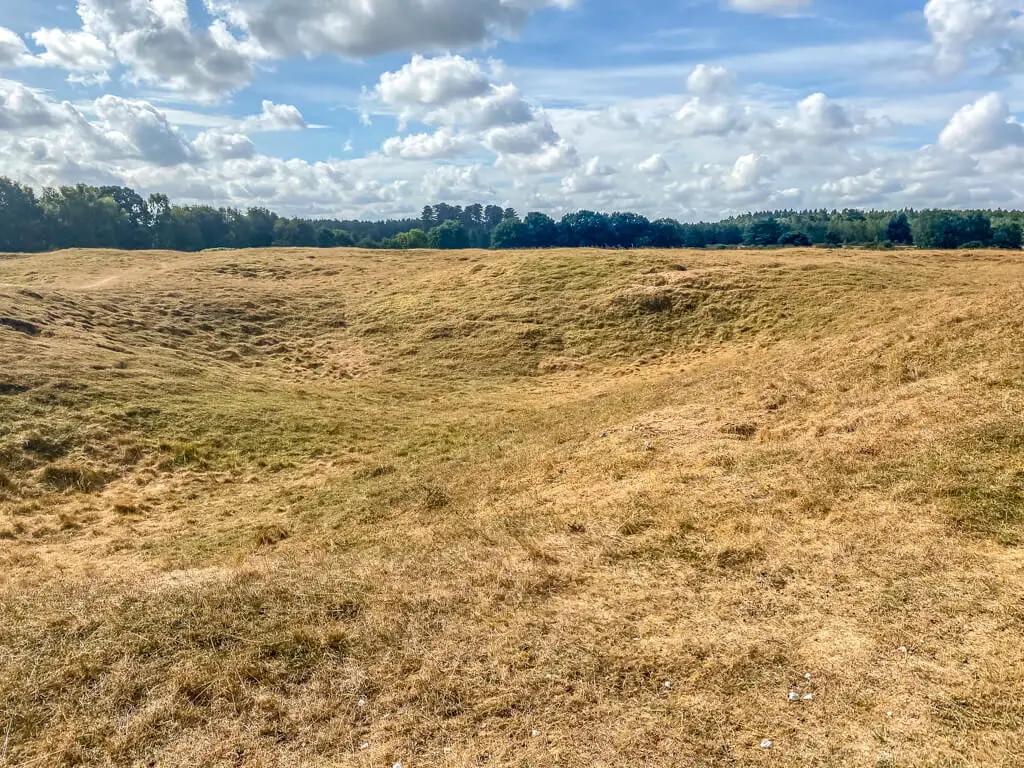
(707, 81)
(220, 145)
(359, 29)
(709, 112)
(82, 54)
(450, 90)
(984, 126)
(748, 172)
(593, 178)
(959, 26)
(502, 105)
(819, 119)
(553, 158)
(160, 45)
(146, 130)
(442, 144)
(655, 165)
(617, 118)
(864, 189)
(275, 117)
(527, 139)
(13, 51)
(461, 184)
(699, 117)
(458, 95)
(433, 82)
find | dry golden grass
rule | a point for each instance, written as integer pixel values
(565, 508)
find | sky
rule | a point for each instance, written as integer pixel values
(690, 109)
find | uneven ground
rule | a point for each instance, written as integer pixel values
(290, 508)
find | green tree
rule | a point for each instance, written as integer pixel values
(952, 229)
(1007, 236)
(343, 239)
(510, 234)
(586, 229)
(413, 239)
(763, 232)
(325, 238)
(473, 216)
(80, 217)
(449, 236)
(22, 221)
(161, 222)
(628, 229)
(541, 231)
(664, 233)
(899, 230)
(135, 232)
(492, 216)
(261, 227)
(294, 233)
(795, 240)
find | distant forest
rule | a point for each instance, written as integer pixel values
(83, 216)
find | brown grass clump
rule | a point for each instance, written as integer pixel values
(521, 509)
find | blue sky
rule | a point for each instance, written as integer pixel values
(692, 109)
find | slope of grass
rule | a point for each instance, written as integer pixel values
(338, 508)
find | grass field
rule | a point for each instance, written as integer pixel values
(564, 508)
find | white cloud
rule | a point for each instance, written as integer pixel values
(145, 128)
(275, 117)
(13, 51)
(83, 54)
(866, 189)
(617, 118)
(556, 157)
(158, 45)
(709, 81)
(22, 108)
(984, 126)
(502, 105)
(819, 119)
(442, 144)
(702, 118)
(458, 95)
(454, 183)
(433, 82)
(218, 145)
(655, 165)
(593, 178)
(595, 168)
(526, 139)
(748, 172)
(960, 26)
(358, 29)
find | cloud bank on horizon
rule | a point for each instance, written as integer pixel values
(357, 109)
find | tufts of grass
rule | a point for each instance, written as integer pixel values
(73, 477)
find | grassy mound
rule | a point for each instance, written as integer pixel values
(570, 508)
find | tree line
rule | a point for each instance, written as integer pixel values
(84, 216)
